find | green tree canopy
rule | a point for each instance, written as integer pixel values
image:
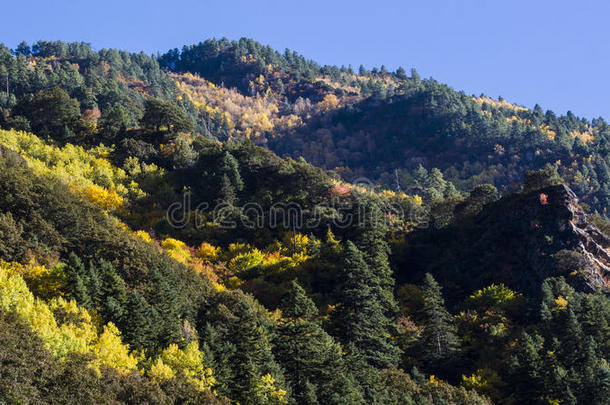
(159, 114)
(362, 320)
(50, 112)
(537, 179)
(439, 338)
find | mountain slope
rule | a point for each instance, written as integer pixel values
(384, 125)
(152, 241)
(520, 240)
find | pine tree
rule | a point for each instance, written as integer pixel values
(308, 397)
(602, 385)
(74, 265)
(112, 284)
(77, 281)
(376, 250)
(80, 293)
(230, 180)
(421, 175)
(594, 319)
(241, 346)
(361, 319)
(166, 311)
(526, 369)
(435, 186)
(571, 338)
(219, 352)
(136, 324)
(311, 359)
(415, 76)
(296, 304)
(227, 191)
(94, 285)
(113, 292)
(536, 179)
(439, 338)
(401, 73)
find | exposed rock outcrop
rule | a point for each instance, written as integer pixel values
(519, 240)
(592, 244)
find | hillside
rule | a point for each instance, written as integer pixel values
(185, 229)
(385, 125)
(519, 240)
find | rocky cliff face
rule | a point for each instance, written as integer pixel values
(518, 240)
(585, 237)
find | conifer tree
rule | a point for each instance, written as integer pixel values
(230, 180)
(376, 250)
(94, 285)
(361, 319)
(308, 397)
(526, 369)
(602, 385)
(77, 281)
(227, 191)
(401, 73)
(136, 324)
(439, 337)
(240, 342)
(312, 361)
(572, 338)
(536, 179)
(113, 292)
(415, 76)
(80, 292)
(296, 304)
(166, 310)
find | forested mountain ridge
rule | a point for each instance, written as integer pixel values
(151, 252)
(374, 123)
(385, 125)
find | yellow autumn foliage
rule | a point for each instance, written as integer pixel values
(109, 200)
(269, 392)
(330, 102)
(143, 235)
(561, 303)
(87, 171)
(188, 361)
(248, 117)
(208, 253)
(74, 333)
(499, 104)
(109, 351)
(42, 281)
(180, 252)
(177, 250)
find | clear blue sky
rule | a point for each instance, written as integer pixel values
(555, 53)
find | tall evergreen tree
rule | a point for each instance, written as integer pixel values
(77, 278)
(94, 285)
(312, 361)
(361, 319)
(376, 250)
(602, 385)
(136, 323)
(231, 182)
(166, 310)
(572, 338)
(113, 292)
(526, 369)
(439, 337)
(240, 341)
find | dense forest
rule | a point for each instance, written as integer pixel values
(194, 227)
